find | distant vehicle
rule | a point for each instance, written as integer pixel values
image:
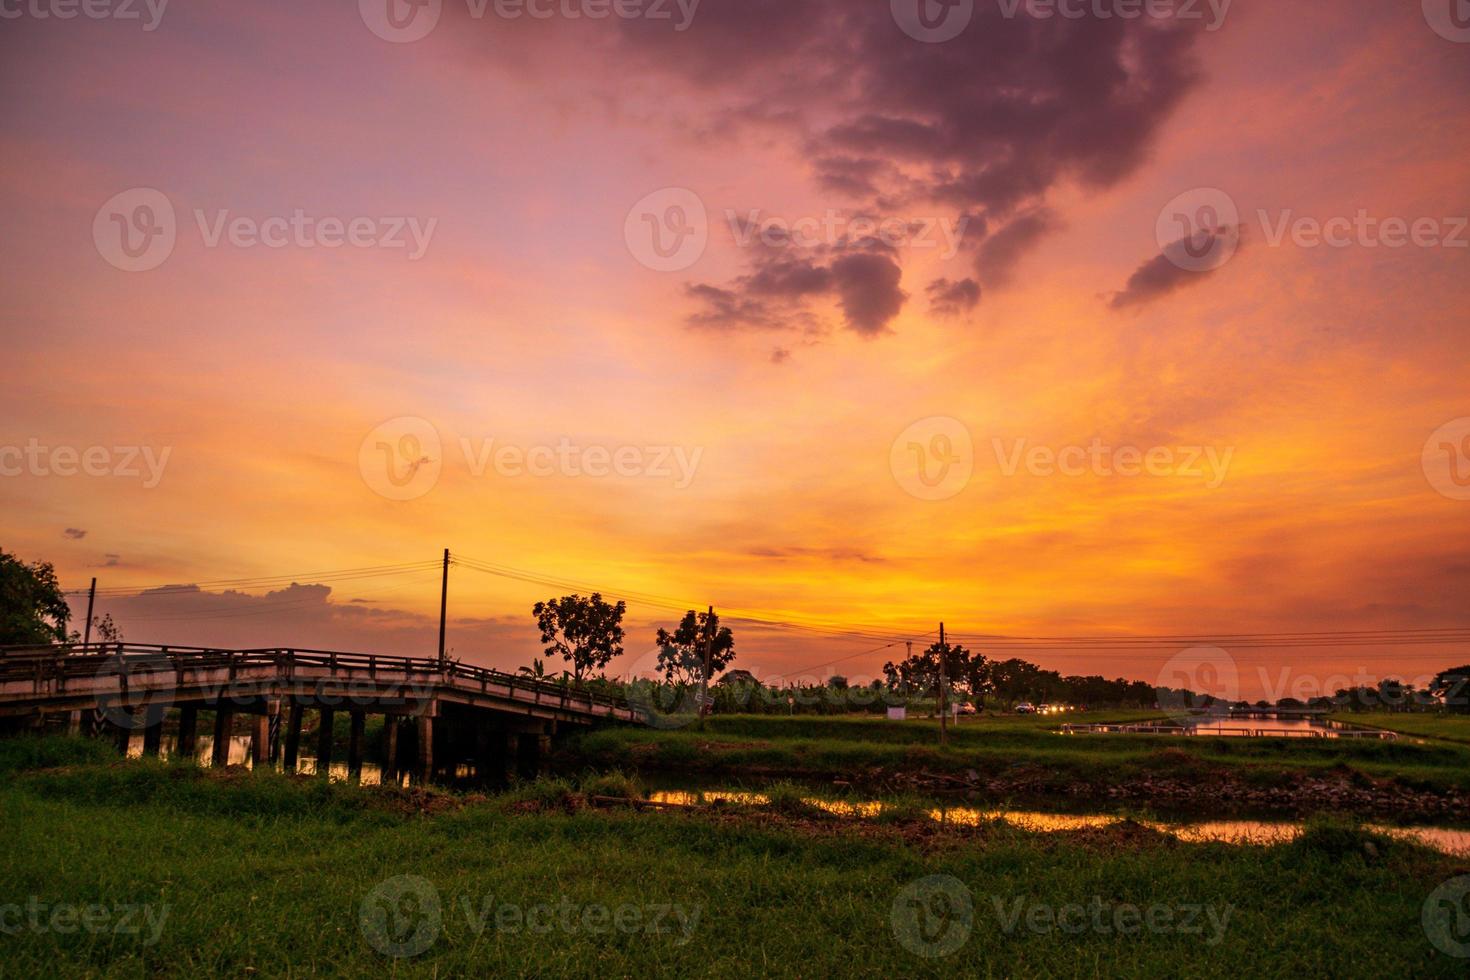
(1025, 708)
(966, 709)
(1043, 709)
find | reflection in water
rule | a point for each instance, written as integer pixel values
(1298, 727)
(1456, 842)
(372, 773)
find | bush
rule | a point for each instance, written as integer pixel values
(617, 784)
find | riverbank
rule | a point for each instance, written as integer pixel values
(182, 871)
(1024, 759)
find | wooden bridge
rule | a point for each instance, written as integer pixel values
(440, 718)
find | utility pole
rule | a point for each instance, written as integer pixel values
(709, 642)
(943, 690)
(87, 629)
(443, 606)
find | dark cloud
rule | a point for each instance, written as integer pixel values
(1174, 268)
(862, 276)
(75, 533)
(110, 560)
(867, 285)
(956, 298)
(1001, 252)
(780, 355)
(986, 124)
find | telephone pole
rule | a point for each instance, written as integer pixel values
(943, 690)
(87, 629)
(443, 606)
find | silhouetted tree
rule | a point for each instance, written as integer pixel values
(681, 653)
(586, 632)
(32, 606)
(1453, 687)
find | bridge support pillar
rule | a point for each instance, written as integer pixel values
(390, 750)
(293, 737)
(260, 740)
(74, 723)
(224, 723)
(152, 731)
(273, 731)
(324, 742)
(425, 768)
(354, 747)
(188, 731)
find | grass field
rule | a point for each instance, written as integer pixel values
(1450, 728)
(876, 750)
(179, 871)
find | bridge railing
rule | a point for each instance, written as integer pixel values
(62, 662)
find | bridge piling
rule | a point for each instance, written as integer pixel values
(188, 743)
(152, 731)
(324, 742)
(224, 724)
(390, 748)
(354, 747)
(293, 737)
(425, 769)
(260, 740)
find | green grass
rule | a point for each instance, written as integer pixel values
(265, 875)
(874, 749)
(1450, 728)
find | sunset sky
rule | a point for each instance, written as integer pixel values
(772, 399)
